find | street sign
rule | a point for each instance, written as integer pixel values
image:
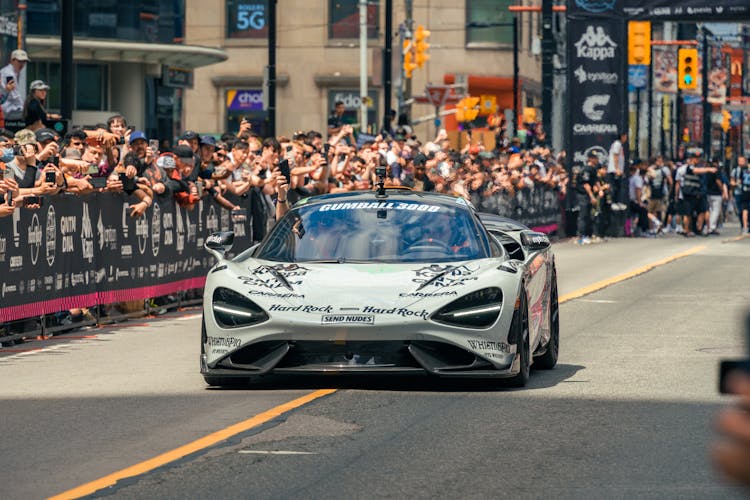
(436, 94)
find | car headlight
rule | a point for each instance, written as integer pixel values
(478, 309)
(232, 310)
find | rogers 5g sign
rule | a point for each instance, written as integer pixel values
(246, 18)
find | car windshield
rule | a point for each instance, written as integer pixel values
(375, 231)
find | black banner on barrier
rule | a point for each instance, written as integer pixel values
(595, 56)
(593, 8)
(537, 207)
(79, 251)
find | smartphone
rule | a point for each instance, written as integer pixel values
(199, 187)
(8, 79)
(154, 145)
(284, 168)
(98, 182)
(7, 174)
(32, 200)
(50, 177)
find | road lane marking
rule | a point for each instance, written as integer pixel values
(601, 301)
(275, 452)
(626, 276)
(187, 449)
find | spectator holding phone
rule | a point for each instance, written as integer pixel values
(35, 114)
(13, 85)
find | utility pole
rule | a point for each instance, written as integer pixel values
(363, 66)
(548, 50)
(388, 63)
(66, 60)
(271, 117)
(706, 105)
(515, 73)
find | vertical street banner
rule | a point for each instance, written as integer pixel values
(717, 76)
(664, 66)
(596, 58)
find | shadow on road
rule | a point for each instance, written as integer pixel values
(540, 379)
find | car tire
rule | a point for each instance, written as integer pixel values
(521, 324)
(548, 360)
(214, 381)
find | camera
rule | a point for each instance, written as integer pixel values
(55, 160)
(50, 177)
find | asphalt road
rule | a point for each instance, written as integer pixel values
(628, 412)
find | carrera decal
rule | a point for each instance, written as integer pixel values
(397, 311)
(422, 295)
(289, 295)
(380, 205)
(347, 319)
(444, 276)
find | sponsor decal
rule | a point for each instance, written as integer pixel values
(595, 129)
(591, 105)
(699, 10)
(596, 77)
(214, 239)
(444, 276)
(155, 230)
(602, 153)
(276, 295)
(422, 295)
(141, 232)
(488, 345)
(596, 6)
(212, 221)
(8, 289)
(35, 238)
(229, 342)
(87, 235)
(397, 311)
(269, 282)
(661, 11)
(126, 251)
(180, 230)
(216, 352)
(107, 235)
(50, 236)
(168, 224)
(595, 45)
(379, 205)
(67, 228)
(347, 319)
(305, 309)
(3, 248)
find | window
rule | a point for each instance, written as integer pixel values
(91, 84)
(482, 17)
(247, 19)
(343, 19)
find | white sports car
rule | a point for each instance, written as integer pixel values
(391, 282)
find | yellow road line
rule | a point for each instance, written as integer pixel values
(197, 445)
(626, 276)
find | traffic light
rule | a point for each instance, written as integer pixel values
(488, 105)
(409, 64)
(420, 41)
(466, 109)
(639, 42)
(687, 68)
(726, 120)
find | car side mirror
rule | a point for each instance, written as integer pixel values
(218, 244)
(534, 241)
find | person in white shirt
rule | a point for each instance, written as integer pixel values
(616, 169)
(14, 95)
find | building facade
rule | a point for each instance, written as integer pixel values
(130, 58)
(317, 59)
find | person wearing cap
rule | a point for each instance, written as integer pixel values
(35, 115)
(585, 198)
(690, 190)
(27, 170)
(13, 85)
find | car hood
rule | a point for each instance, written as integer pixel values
(346, 287)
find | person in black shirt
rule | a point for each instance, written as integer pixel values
(585, 198)
(336, 120)
(715, 194)
(34, 114)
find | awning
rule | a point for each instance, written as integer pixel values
(185, 56)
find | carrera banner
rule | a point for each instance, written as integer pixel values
(697, 10)
(597, 106)
(80, 251)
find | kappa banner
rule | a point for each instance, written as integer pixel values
(596, 55)
(82, 251)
